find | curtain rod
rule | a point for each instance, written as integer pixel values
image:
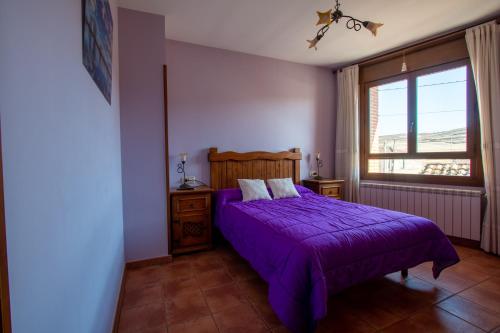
(420, 44)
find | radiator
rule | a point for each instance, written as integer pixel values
(456, 211)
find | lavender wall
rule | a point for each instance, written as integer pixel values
(61, 154)
(242, 102)
(142, 55)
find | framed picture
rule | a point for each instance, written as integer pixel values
(97, 37)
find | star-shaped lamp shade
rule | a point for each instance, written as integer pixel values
(372, 26)
(313, 42)
(324, 17)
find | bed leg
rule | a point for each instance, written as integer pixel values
(404, 273)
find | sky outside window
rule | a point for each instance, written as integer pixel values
(442, 111)
(389, 118)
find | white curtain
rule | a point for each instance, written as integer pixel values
(347, 138)
(483, 44)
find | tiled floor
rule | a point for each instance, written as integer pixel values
(217, 291)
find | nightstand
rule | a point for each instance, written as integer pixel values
(191, 217)
(333, 188)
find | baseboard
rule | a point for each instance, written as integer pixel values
(134, 265)
(465, 242)
(118, 310)
(149, 262)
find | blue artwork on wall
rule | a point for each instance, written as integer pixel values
(97, 36)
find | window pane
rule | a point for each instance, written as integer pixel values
(388, 118)
(442, 111)
(436, 167)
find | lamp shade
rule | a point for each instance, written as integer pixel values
(313, 42)
(373, 27)
(324, 17)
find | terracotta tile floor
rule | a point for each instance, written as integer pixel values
(216, 291)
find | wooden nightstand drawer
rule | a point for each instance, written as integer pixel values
(333, 188)
(331, 191)
(190, 203)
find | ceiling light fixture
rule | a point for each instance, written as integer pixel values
(330, 16)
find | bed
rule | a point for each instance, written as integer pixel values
(311, 247)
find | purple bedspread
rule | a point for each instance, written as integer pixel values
(310, 247)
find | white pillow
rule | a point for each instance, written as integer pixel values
(283, 188)
(253, 189)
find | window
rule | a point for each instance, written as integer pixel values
(388, 117)
(442, 111)
(422, 127)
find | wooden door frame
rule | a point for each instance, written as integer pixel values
(4, 272)
(167, 163)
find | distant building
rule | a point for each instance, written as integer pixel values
(446, 141)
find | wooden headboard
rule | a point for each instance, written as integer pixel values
(227, 167)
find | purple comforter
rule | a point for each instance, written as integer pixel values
(310, 247)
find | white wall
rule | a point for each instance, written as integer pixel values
(142, 55)
(242, 102)
(62, 172)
